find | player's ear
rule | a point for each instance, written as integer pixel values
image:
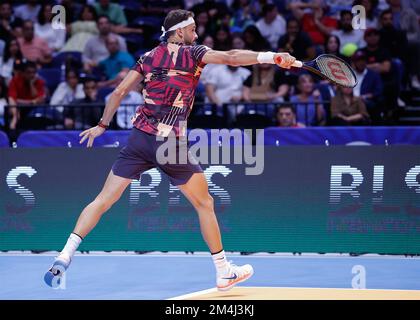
(180, 33)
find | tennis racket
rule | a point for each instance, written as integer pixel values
(331, 68)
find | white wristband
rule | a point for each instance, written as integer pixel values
(266, 57)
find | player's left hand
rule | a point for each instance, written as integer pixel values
(91, 134)
(284, 59)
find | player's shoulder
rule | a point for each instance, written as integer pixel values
(196, 47)
(198, 51)
(149, 54)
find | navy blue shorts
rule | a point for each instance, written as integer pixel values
(140, 155)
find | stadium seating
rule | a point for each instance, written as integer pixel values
(340, 136)
(69, 139)
(63, 57)
(52, 78)
(117, 138)
(4, 140)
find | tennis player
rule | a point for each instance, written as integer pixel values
(170, 73)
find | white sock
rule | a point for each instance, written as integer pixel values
(71, 246)
(221, 263)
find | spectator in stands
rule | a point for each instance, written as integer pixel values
(395, 41)
(317, 24)
(346, 33)
(238, 42)
(2, 47)
(81, 30)
(160, 7)
(369, 86)
(308, 109)
(128, 105)
(406, 19)
(391, 38)
(34, 48)
(332, 46)
(225, 85)
(272, 25)
(296, 42)
(44, 30)
(25, 88)
(214, 8)
(28, 11)
(225, 20)
(10, 25)
(114, 11)
(379, 60)
(209, 42)
(254, 40)
(286, 117)
(253, 8)
(412, 4)
(117, 61)
(265, 84)
(243, 15)
(68, 90)
(348, 110)
(202, 24)
(95, 49)
(336, 6)
(3, 101)
(223, 39)
(85, 112)
(371, 12)
(72, 10)
(11, 54)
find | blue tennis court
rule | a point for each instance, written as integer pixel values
(169, 275)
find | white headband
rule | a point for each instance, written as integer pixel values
(182, 24)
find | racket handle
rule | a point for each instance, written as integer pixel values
(297, 64)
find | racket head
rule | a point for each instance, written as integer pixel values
(334, 69)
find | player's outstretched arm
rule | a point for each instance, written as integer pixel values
(132, 79)
(247, 57)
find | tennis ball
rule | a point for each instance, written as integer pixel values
(349, 49)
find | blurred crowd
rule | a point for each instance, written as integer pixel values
(80, 59)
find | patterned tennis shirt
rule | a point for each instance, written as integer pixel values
(171, 73)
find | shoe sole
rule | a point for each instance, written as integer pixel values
(236, 282)
(55, 280)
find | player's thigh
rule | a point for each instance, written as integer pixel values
(113, 188)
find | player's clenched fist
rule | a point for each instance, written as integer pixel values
(284, 60)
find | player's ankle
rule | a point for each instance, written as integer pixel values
(64, 256)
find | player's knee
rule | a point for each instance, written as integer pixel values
(206, 202)
(102, 205)
(105, 203)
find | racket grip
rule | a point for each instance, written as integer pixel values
(297, 64)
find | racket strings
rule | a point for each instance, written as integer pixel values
(336, 70)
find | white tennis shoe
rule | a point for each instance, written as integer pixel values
(55, 273)
(236, 274)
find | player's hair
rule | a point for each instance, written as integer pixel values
(174, 17)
